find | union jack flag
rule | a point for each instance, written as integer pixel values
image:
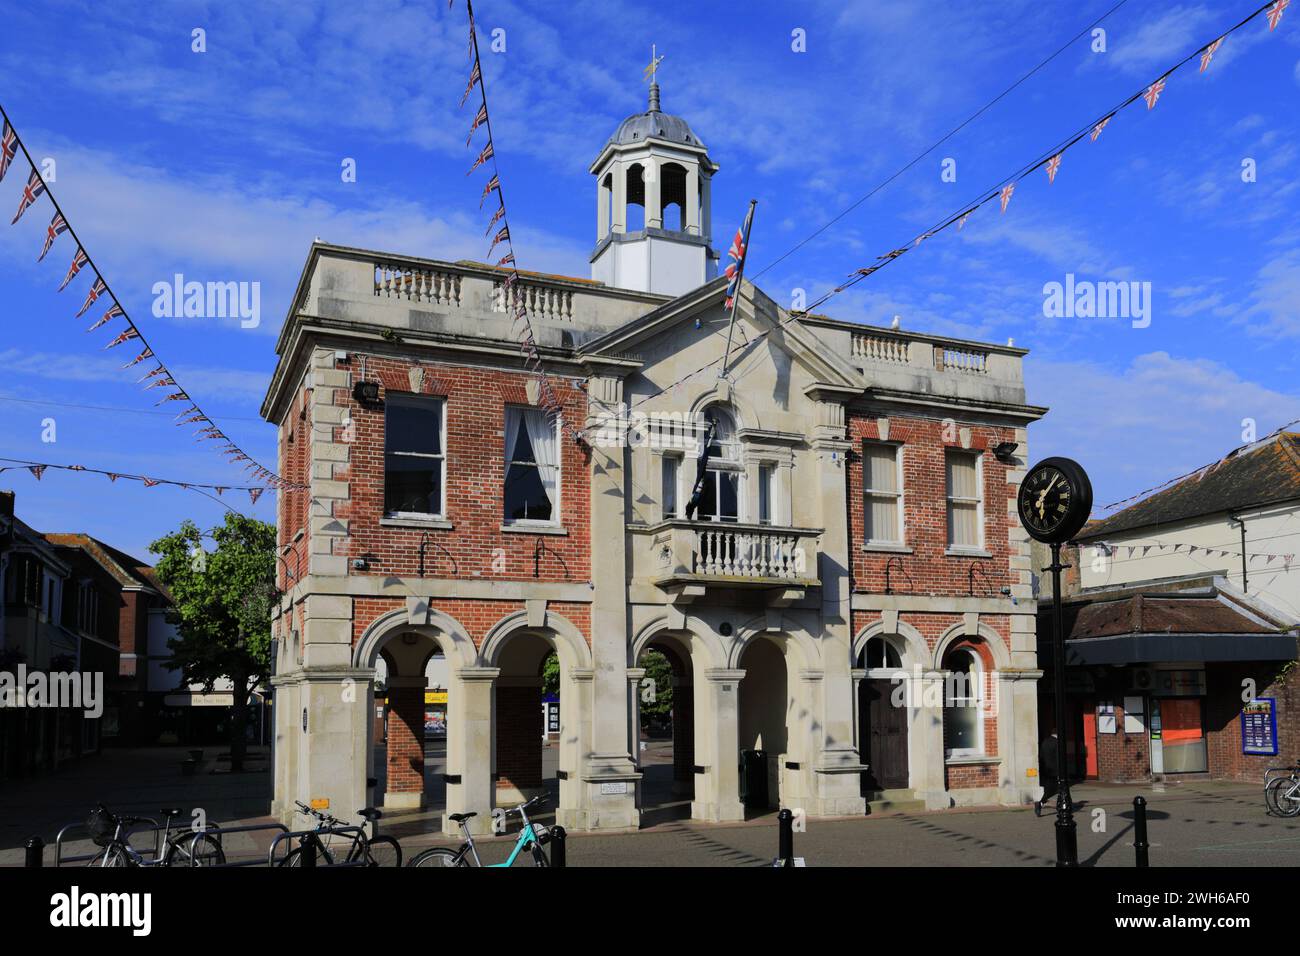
(95, 292)
(493, 183)
(112, 313)
(1275, 13)
(130, 333)
(503, 235)
(1096, 130)
(1007, 190)
(479, 119)
(1153, 93)
(35, 186)
(8, 148)
(474, 76)
(147, 353)
(483, 157)
(1208, 53)
(58, 225)
(78, 260)
(1053, 165)
(736, 267)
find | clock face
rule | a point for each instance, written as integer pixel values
(1055, 499)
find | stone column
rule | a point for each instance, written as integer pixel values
(683, 737)
(610, 774)
(602, 209)
(469, 747)
(717, 746)
(618, 221)
(691, 214)
(654, 211)
(1018, 736)
(575, 746)
(925, 738)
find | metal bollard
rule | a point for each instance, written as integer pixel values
(559, 856)
(1140, 844)
(309, 851)
(35, 852)
(785, 839)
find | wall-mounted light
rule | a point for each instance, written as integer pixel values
(360, 564)
(1005, 451)
(367, 393)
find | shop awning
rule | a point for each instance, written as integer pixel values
(1169, 647)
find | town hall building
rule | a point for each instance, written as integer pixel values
(852, 549)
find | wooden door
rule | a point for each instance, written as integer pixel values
(882, 736)
(1090, 743)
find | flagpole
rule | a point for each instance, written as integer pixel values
(740, 277)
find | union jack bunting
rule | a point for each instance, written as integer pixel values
(37, 470)
(1275, 13)
(474, 76)
(1005, 195)
(58, 225)
(962, 221)
(507, 260)
(736, 267)
(130, 333)
(164, 381)
(1053, 165)
(483, 157)
(35, 186)
(503, 235)
(496, 217)
(493, 183)
(149, 482)
(1096, 130)
(147, 353)
(95, 292)
(112, 313)
(78, 260)
(479, 119)
(254, 494)
(1208, 53)
(1153, 93)
(8, 149)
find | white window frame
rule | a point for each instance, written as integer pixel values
(678, 504)
(978, 547)
(976, 674)
(554, 520)
(442, 425)
(898, 483)
(773, 512)
(734, 464)
(886, 670)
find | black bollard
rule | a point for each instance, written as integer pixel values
(309, 851)
(35, 852)
(1140, 844)
(785, 839)
(559, 856)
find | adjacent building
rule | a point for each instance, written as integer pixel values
(848, 609)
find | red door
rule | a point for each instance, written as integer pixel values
(1090, 743)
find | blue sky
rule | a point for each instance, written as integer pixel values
(224, 165)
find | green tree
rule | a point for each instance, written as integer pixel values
(223, 600)
(659, 705)
(551, 674)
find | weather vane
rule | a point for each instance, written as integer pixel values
(653, 68)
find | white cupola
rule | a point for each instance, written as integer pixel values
(653, 216)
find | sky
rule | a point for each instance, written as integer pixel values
(224, 165)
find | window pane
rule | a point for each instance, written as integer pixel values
(729, 495)
(413, 424)
(882, 518)
(765, 494)
(708, 505)
(526, 497)
(412, 484)
(963, 524)
(669, 478)
(882, 467)
(961, 476)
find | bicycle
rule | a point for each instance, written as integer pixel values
(376, 850)
(185, 848)
(1282, 793)
(532, 837)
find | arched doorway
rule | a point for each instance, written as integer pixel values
(664, 730)
(764, 706)
(525, 763)
(399, 766)
(883, 717)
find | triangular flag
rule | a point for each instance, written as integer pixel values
(8, 149)
(483, 157)
(493, 183)
(1208, 53)
(1275, 13)
(111, 476)
(474, 76)
(1096, 130)
(96, 290)
(112, 313)
(130, 333)
(254, 494)
(35, 186)
(37, 470)
(479, 119)
(1153, 92)
(1005, 194)
(1053, 165)
(79, 259)
(147, 353)
(149, 482)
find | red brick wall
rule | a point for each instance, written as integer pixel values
(478, 617)
(476, 547)
(405, 740)
(967, 776)
(925, 525)
(1124, 757)
(1223, 718)
(519, 737)
(293, 506)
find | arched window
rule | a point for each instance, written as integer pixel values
(720, 496)
(880, 654)
(963, 696)
(635, 198)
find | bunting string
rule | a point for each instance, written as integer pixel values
(10, 145)
(1051, 159)
(1148, 545)
(38, 468)
(502, 235)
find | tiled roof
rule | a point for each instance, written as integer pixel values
(1261, 474)
(128, 571)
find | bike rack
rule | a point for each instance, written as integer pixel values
(217, 831)
(358, 837)
(155, 828)
(1272, 770)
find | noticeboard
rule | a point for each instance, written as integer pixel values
(1259, 727)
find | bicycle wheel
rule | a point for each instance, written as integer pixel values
(1284, 802)
(383, 851)
(294, 857)
(438, 856)
(112, 855)
(207, 852)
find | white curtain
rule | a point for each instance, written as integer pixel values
(881, 473)
(541, 432)
(512, 433)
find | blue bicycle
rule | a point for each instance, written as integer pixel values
(532, 837)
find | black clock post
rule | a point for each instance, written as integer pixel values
(1054, 502)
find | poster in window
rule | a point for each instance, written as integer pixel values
(1259, 727)
(1106, 717)
(1134, 715)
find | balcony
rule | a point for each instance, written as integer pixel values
(689, 556)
